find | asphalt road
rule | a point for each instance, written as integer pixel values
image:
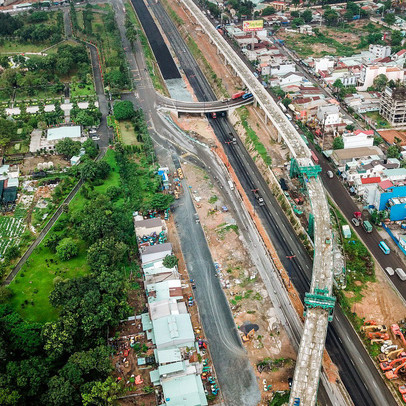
(161, 51)
(358, 373)
(235, 375)
(346, 204)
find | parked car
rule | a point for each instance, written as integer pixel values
(330, 174)
(390, 271)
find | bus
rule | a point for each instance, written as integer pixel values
(314, 157)
(384, 248)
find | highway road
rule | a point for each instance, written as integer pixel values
(346, 204)
(236, 376)
(358, 373)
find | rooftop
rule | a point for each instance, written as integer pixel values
(173, 330)
(60, 133)
(184, 391)
(148, 223)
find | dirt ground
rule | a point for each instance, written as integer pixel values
(32, 162)
(380, 303)
(242, 284)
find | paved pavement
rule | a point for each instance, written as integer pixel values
(235, 374)
(346, 204)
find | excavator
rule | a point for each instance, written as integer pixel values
(377, 334)
(377, 327)
(386, 366)
(394, 374)
(392, 355)
(247, 337)
(398, 333)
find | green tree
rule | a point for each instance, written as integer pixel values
(349, 127)
(297, 22)
(113, 193)
(170, 261)
(396, 38)
(307, 15)
(67, 147)
(338, 143)
(52, 241)
(90, 148)
(160, 202)
(8, 130)
(389, 19)
(338, 84)
(67, 249)
(393, 152)
(102, 393)
(380, 82)
(84, 118)
(105, 253)
(123, 110)
(286, 101)
(267, 11)
(91, 170)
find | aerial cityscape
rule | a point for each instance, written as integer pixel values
(203, 202)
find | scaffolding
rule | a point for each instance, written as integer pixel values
(303, 172)
(320, 299)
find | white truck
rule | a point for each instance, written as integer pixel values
(231, 184)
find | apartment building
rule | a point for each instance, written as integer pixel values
(393, 106)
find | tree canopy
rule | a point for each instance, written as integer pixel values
(123, 110)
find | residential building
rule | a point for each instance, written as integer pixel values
(342, 156)
(328, 115)
(359, 138)
(153, 253)
(324, 64)
(380, 51)
(393, 106)
(370, 72)
(306, 29)
(394, 137)
(148, 226)
(393, 198)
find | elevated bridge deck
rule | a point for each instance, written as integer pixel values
(216, 106)
(307, 372)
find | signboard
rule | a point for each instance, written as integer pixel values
(253, 25)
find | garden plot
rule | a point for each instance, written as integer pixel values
(11, 229)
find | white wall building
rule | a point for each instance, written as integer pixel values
(370, 72)
(329, 115)
(359, 139)
(323, 64)
(380, 51)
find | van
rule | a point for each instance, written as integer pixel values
(231, 184)
(401, 273)
(330, 174)
(390, 271)
(355, 222)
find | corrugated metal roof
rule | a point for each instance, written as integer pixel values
(64, 132)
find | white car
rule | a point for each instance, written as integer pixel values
(330, 174)
(390, 271)
(95, 138)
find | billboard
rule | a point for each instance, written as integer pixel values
(253, 25)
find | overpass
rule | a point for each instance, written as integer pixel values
(319, 303)
(216, 106)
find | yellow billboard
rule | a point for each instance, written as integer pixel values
(253, 25)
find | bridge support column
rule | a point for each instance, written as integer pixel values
(279, 137)
(255, 103)
(266, 119)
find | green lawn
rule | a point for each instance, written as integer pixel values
(10, 47)
(86, 90)
(128, 135)
(33, 284)
(378, 119)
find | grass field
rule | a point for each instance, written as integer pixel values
(87, 90)
(128, 135)
(34, 283)
(11, 47)
(378, 119)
